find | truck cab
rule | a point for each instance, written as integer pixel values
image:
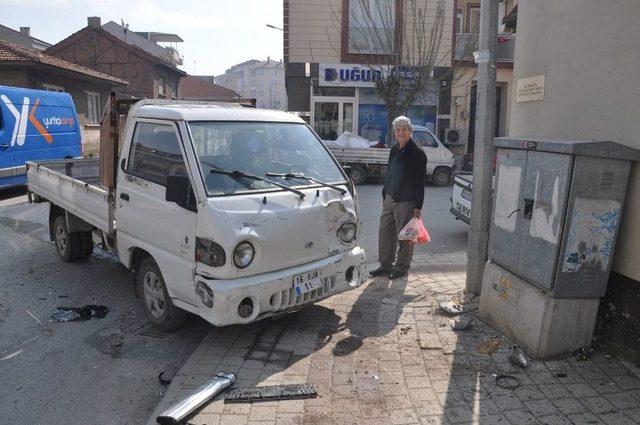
(232, 213)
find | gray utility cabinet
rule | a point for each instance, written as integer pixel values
(556, 212)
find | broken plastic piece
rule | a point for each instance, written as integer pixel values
(518, 357)
(508, 382)
(489, 346)
(274, 392)
(455, 306)
(69, 314)
(462, 323)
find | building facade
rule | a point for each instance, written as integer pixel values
(582, 57)
(259, 80)
(333, 52)
(151, 69)
(22, 38)
(22, 67)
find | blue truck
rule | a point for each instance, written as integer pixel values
(35, 125)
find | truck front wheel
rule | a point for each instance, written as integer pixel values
(68, 245)
(157, 305)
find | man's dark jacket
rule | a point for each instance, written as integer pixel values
(406, 174)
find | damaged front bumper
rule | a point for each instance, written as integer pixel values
(247, 299)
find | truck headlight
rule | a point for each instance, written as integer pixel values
(210, 252)
(347, 232)
(243, 255)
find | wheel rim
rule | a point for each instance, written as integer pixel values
(61, 239)
(153, 294)
(356, 176)
(442, 178)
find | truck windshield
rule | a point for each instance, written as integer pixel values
(259, 148)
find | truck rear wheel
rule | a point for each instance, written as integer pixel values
(68, 245)
(441, 176)
(358, 175)
(157, 305)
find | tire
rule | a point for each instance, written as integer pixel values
(87, 245)
(441, 177)
(68, 245)
(358, 175)
(157, 305)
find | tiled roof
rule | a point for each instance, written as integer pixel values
(196, 88)
(10, 52)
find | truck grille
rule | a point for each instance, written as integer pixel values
(288, 298)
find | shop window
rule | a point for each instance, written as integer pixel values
(93, 108)
(372, 26)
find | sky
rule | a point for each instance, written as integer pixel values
(217, 34)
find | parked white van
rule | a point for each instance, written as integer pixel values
(231, 213)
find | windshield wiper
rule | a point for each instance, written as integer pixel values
(237, 173)
(311, 179)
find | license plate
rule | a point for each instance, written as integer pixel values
(466, 195)
(307, 282)
(464, 210)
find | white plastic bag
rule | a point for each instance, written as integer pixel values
(410, 231)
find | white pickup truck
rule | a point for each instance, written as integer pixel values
(372, 162)
(230, 213)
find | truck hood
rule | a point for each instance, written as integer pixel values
(284, 230)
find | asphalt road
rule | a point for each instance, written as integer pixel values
(105, 371)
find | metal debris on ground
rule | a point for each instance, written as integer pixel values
(34, 317)
(489, 346)
(518, 357)
(508, 382)
(581, 355)
(458, 304)
(184, 408)
(461, 323)
(70, 314)
(268, 393)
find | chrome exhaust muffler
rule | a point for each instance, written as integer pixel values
(181, 410)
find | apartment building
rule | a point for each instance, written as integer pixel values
(259, 80)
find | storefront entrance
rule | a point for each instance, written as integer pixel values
(330, 117)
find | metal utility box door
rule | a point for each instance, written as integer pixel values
(556, 212)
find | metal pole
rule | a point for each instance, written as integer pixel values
(482, 158)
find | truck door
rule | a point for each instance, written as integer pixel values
(6, 153)
(144, 218)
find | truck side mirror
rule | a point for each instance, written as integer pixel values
(178, 190)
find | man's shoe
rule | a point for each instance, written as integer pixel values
(396, 274)
(379, 272)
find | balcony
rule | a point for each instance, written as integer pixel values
(466, 44)
(173, 55)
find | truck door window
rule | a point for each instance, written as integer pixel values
(424, 139)
(155, 153)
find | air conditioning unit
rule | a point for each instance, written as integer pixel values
(455, 136)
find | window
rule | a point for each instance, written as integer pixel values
(174, 88)
(473, 20)
(459, 20)
(93, 107)
(259, 148)
(155, 153)
(372, 26)
(424, 139)
(51, 87)
(162, 86)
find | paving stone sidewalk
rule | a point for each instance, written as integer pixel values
(385, 354)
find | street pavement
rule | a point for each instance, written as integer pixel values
(385, 353)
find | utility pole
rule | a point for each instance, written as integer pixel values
(483, 156)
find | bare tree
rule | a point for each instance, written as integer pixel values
(404, 56)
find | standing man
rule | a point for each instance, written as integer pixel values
(402, 198)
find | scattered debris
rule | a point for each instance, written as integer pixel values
(63, 296)
(166, 381)
(489, 346)
(69, 314)
(461, 323)
(376, 377)
(42, 298)
(581, 355)
(508, 382)
(405, 330)
(113, 344)
(268, 393)
(34, 317)
(459, 303)
(11, 355)
(561, 375)
(181, 410)
(518, 357)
